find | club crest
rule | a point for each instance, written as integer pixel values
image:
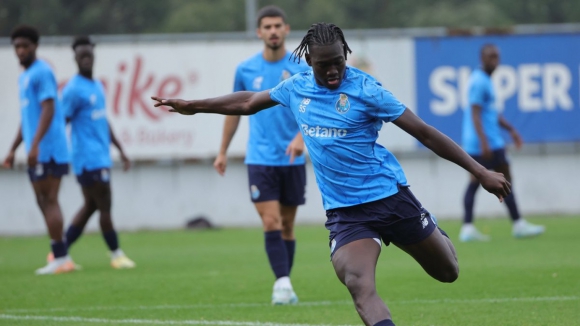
(255, 192)
(342, 105)
(285, 75)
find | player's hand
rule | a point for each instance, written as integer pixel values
(126, 162)
(33, 156)
(9, 160)
(177, 105)
(220, 164)
(295, 148)
(495, 183)
(517, 139)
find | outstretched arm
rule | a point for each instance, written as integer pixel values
(115, 141)
(238, 103)
(449, 150)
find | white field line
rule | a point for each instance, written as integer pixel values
(84, 320)
(304, 304)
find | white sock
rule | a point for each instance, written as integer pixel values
(519, 223)
(117, 253)
(283, 282)
(467, 227)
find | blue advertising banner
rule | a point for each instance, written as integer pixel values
(537, 83)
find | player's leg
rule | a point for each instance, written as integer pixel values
(521, 228)
(46, 178)
(265, 193)
(101, 194)
(468, 230)
(283, 292)
(292, 194)
(81, 218)
(417, 233)
(436, 254)
(288, 214)
(355, 265)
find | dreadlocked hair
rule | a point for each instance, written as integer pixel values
(321, 34)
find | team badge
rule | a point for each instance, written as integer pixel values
(105, 176)
(257, 84)
(342, 105)
(303, 104)
(39, 169)
(285, 75)
(255, 192)
(424, 220)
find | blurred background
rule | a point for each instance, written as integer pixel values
(423, 51)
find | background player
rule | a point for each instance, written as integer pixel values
(482, 139)
(43, 131)
(83, 99)
(363, 187)
(277, 177)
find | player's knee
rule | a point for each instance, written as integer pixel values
(287, 231)
(271, 222)
(359, 285)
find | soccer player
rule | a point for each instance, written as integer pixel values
(43, 130)
(277, 177)
(83, 99)
(482, 139)
(366, 195)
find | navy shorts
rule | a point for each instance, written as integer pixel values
(286, 184)
(90, 177)
(498, 159)
(44, 169)
(399, 218)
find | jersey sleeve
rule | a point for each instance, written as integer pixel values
(69, 103)
(46, 87)
(238, 81)
(476, 94)
(281, 93)
(386, 106)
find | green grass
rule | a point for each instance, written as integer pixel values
(223, 275)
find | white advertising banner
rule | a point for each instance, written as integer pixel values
(134, 71)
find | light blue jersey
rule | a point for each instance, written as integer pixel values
(83, 100)
(481, 92)
(37, 84)
(271, 131)
(340, 128)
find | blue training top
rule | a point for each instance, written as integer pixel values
(271, 131)
(37, 84)
(83, 100)
(340, 129)
(481, 92)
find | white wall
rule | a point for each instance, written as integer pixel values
(160, 197)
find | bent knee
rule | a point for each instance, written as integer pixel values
(359, 285)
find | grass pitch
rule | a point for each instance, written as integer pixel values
(223, 278)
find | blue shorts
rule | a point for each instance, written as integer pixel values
(286, 184)
(44, 169)
(90, 177)
(497, 160)
(399, 218)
